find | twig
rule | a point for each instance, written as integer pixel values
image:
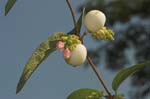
(85, 33)
(98, 75)
(88, 58)
(73, 17)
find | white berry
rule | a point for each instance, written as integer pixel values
(78, 55)
(94, 20)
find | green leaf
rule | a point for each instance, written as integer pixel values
(9, 5)
(124, 73)
(79, 23)
(37, 57)
(86, 93)
(56, 36)
(119, 96)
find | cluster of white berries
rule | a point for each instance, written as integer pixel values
(76, 55)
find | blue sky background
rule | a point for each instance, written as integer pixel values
(21, 31)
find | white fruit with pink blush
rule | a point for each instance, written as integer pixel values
(78, 55)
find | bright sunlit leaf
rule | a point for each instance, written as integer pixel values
(9, 5)
(37, 57)
(125, 73)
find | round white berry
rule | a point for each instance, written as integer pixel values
(94, 20)
(78, 55)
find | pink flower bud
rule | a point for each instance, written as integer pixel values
(66, 53)
(60, 45)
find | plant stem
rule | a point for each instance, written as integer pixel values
(98, 75)
(73, 17)
(88, 58)
(85, 33)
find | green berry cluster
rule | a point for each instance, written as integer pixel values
(103, 34)
(70, 41)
